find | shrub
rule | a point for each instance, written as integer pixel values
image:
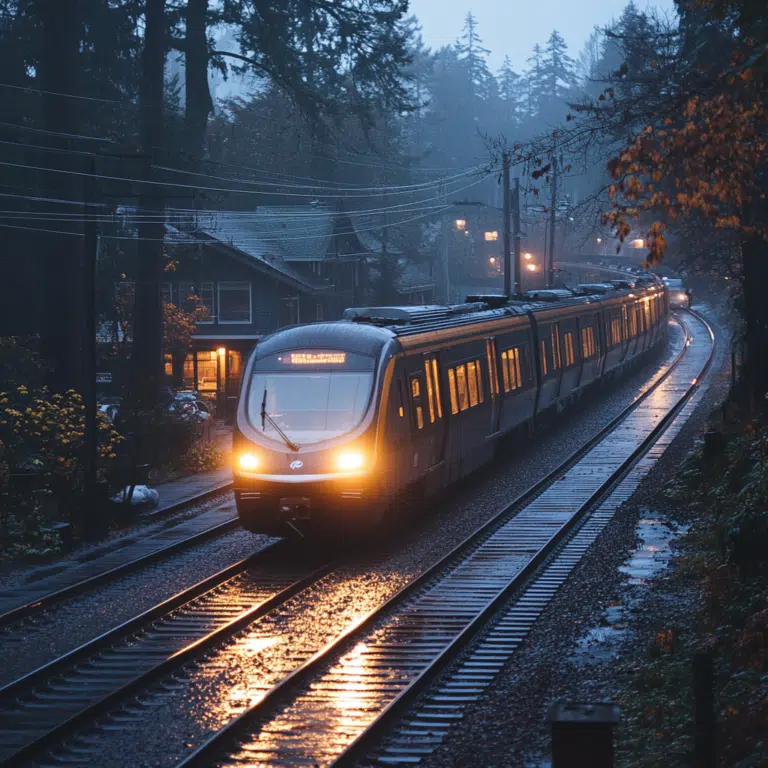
(204, 456)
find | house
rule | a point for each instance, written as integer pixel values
(255, 271)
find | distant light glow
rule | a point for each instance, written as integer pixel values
(461, 224)
(531, 267)
(527, 256)
(492, 260)
(599, 240)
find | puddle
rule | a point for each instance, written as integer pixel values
(649, 559)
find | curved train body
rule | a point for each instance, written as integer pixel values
(337, 420)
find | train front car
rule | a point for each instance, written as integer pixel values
(305, 447)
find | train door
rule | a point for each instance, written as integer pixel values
(493, 385)
(428, 421)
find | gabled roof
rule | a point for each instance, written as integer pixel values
(290, 233)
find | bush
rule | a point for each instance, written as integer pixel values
(204, 456)
(163, 437)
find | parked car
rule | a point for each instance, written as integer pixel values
(189, 406)
(679, 295)
(110, 406)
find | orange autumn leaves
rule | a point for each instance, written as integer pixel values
(705, 162)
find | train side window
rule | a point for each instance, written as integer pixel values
(505, 369)
(615, 331)
(596, 331)
(436, 383)
(430, 391)
(587, 341)
(472, 383)
(570, 352)
(625, 321)
(543, 358)
(461, 385)
(416, 397)
(556, 357)
(401, 408)
(493, 376)
(452, 389)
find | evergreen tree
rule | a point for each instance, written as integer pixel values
(558, 76)
(473, 56)
(534, 82)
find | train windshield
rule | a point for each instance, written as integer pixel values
(310, 395)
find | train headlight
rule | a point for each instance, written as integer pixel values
(248, 461)
(349, 461)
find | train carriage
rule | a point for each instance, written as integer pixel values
(338, 420)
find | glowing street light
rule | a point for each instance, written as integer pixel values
(527, 256)
(531, 267)
(461, 224)
(599, 240)
(492, 260)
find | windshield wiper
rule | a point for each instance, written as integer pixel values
(266, 417)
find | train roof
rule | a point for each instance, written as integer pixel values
(367, 329)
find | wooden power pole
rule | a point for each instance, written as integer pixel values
(507, 213)
(552, 220)
(516, 234)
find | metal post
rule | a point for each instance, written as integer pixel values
(90, 442)
(553, 218)
(517, 235)
(507, 212)
(704, 711)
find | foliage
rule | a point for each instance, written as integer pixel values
(163, 438)
(204, 456)
(179, 324)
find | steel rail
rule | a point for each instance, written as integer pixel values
(396, 708)
(205, 754)
(45, 601)
(47, 675)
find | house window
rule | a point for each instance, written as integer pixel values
(198, 299)
(319, 311)
(234, 303)
(206, 311)
(166, 291)
(570, 350)
(491, 237)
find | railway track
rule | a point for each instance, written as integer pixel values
(335, 707)
(51, 701)
(367, 672)
(26, 601)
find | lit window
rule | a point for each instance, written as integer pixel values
(543, 358)
(570, 352)
(436, 381)
(638, 243)
(491, 237)
(452, 388)
(461, 385)
(461, 224)
(555, 333)
(430, 391)
(472, 379)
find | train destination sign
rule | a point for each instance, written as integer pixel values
(315, 358)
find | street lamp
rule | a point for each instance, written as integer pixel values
(531, 267)
(527, 256)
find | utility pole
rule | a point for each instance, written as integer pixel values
(507, 212)
(517, 235)
(91, 435)
(552, 218)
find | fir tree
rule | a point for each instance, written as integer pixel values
(472, 54)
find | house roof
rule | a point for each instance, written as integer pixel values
(369, 231)
(291, 233)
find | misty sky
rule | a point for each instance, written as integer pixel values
(513, 26)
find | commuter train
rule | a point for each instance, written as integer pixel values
(339, 421)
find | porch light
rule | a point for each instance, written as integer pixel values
(492, 260)
(461, 224)
(222, 351)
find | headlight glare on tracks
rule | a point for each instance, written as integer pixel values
(248, 461)
(350, 461)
